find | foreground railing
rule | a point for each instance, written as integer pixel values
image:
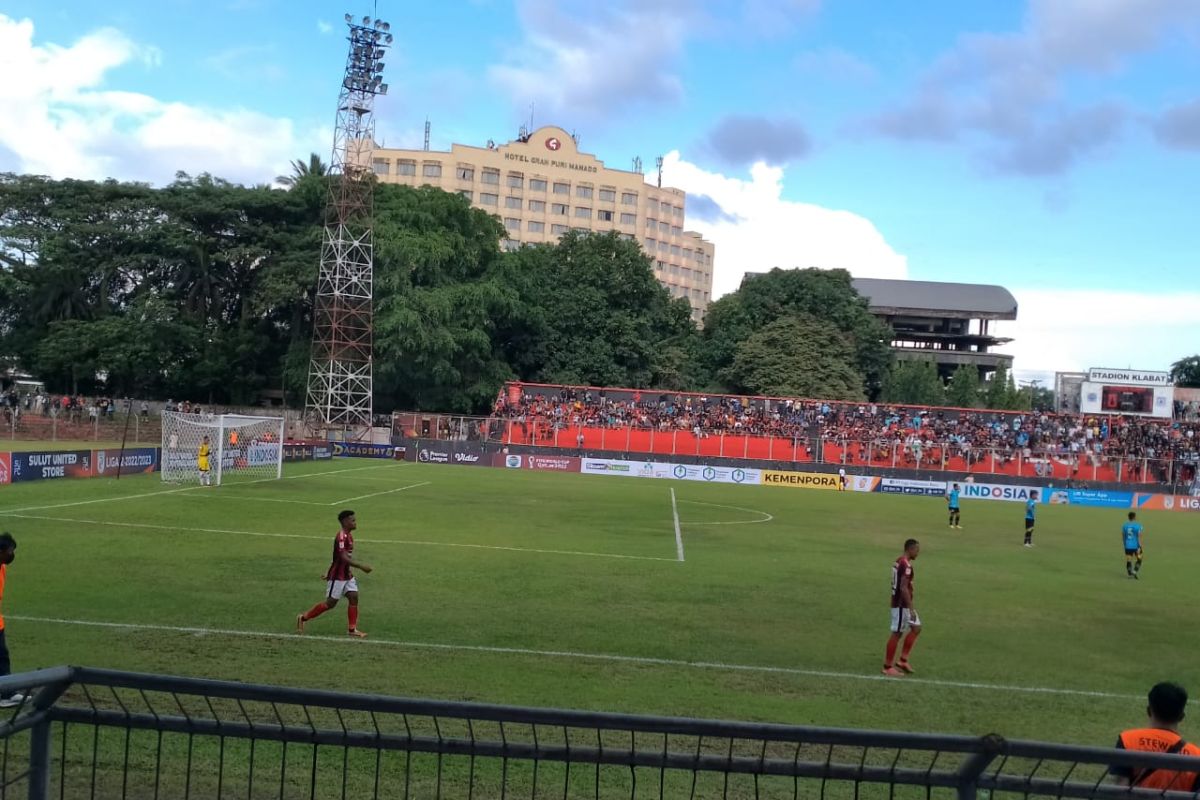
(100, 734)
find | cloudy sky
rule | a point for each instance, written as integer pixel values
(1050, 146)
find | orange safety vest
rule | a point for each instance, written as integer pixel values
(1156, 740)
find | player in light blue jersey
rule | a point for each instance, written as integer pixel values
(952, 505)
(1131, 533)
(1030, 513)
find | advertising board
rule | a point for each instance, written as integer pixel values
(999, 491)
(692, 472)
(469, 455)
(1166, 502)
(52, 465)
(539, 463)
(1101, 498)
(134, 460)
(432, 454)
(5, 468)
(611, 466)
(361, 450)
(801, 480)
(913, 487)
(863, 483)
(1110, 398)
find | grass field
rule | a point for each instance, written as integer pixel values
(566, 590)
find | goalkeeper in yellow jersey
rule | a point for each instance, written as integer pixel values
(202, 462)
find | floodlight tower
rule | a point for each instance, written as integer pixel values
(340, 369)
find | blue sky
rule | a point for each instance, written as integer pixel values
(1051, 146)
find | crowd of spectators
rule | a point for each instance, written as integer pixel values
(920, 433)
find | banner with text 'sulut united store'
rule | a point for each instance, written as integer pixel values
(51, 465)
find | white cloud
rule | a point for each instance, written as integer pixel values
(755, 229)
(324, 27)
(61, 119)
(1073, 329)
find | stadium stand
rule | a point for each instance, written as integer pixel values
(1016, 443)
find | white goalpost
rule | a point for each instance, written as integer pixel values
(240, 448)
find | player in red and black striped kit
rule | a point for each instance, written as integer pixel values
(339, 579)
(904, 613)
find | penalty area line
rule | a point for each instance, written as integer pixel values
(678, 533)
(583, 656)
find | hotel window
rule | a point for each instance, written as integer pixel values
(679, 212)
(536, 227)
(406, 168)
(666, 209)
(676, 230)
(537, 185)
(607, 196)
(662, 247)
(628, 219)
(604, 216)
(538, 206)
(562, 188)
(628, 199)
(466, 173)
(431, 170)
(512, 202)
(468, 194)
(664, 229)
(512, 224)
(382, 166)
(579, 229)
(651, 224)
(583, 192)
(583, 213)
(558, 230)
(489, 199)
(558, 209)
(651, 244)
(687, 255)
(627, 237)
(675, 250)
(491, 176)
(516, 180)
(660, 265)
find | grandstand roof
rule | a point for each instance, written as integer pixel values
(921, 298)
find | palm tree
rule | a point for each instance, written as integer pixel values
(301, 170)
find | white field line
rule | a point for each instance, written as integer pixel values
(408, 542)
(223, 496)
(765, 516)
(377, 494)
(678, 534)
(583, 656)
(185, 489)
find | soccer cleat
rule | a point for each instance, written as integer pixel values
(1029, 544)
(12, 700)
(892, 672)
(356, 633)
(299, 623)
(905, 667)
(1135, 576)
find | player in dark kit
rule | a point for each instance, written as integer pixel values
(904, 613)
(1030, 512)
(1131, 534)
(340, 580)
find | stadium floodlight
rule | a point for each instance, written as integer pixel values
(349, 18)
(366, 21)
(383, 88)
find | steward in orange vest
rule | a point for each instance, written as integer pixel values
(1166, 704)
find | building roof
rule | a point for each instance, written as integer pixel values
(971, 300)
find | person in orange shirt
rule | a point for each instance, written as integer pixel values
(1165, 709)
(8, 551)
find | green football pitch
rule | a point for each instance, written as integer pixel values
(568, 590)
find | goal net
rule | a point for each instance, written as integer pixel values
(240, 448)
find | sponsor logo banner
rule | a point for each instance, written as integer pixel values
(920, 488)
(5, 468)
(803, 480)
(138, 459)
(1167, 502)
(51, 465)
(863, 483)
(540, 463)
(997, 491)
(433, 455)
(469, 455)
(1089, 497)
(708, 474)
(608, 466)
(361, 450)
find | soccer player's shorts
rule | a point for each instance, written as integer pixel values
(953, 509)
(202, 465)
(903, 619)
(339, 588)
(1028, 524)
(1137, 551)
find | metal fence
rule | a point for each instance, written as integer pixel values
(104, 734)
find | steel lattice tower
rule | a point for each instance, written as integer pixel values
(340, 370)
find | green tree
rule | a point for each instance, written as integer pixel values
(301, 169)
(825, 295)
(797, 357)
(914, 382)
(591, 312)
(1000, 392)
(963, 391)
(1186, 372)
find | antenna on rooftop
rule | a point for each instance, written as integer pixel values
(427, 134)
(637, 164)
(658, 162)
